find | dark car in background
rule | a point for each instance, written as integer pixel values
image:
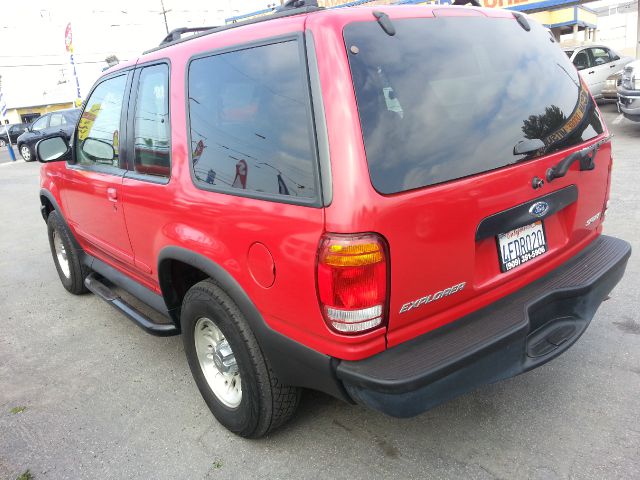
(61, 121)
(10, 133)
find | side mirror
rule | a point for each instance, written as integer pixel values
(98, 150)
(52, 149)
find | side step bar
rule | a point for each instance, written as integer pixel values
(95, 284)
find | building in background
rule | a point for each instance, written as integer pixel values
(36, 69)
(618, 25)
(572, 22)
(28, 113)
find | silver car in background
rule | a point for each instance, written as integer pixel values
(629, 92)
(595, 64)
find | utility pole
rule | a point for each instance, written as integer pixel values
(164, 14)
(3, 111)
(638, 32)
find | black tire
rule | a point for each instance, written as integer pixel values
(26, 152)
(73, 281)
(3, 142)
(266, 403)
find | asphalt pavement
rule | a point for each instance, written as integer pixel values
(5, 157)
(85, 394)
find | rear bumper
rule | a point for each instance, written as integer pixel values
(514, 335)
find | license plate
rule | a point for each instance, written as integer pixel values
(521, 245)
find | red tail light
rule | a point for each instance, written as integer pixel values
(352, 281)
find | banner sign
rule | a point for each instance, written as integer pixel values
(197, 153)
(68, 43)
(240, 181)
(3, 106)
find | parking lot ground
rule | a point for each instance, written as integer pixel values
(104, 400)
(6, 158)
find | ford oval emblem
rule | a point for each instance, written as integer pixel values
(539, 209)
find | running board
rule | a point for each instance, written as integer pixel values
(95, 284)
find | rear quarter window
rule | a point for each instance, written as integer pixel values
(249, 123)
(450, 97)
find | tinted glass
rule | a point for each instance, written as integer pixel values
(249, 121)
(600, 56)
(582, 60)
(151, 122)
(57, 119)
(450, 97)
(99, 126)
(40, 124)
(72, 116)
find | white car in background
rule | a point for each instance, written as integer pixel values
(595, 63)
(629, 92)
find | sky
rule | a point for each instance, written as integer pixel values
(35, 66)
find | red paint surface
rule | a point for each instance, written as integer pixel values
(261, 265)
(430, 231)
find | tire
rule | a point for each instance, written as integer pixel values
(265, 403)
(65, 257)
(26, 153)
(3, 142)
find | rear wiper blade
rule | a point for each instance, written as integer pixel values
(585, 156)
(529, 145)
(385, 22)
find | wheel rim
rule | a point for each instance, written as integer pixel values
(2, 143)
(26, 154)
(217, 362)
(61, 254)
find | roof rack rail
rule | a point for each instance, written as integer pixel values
(289, 9)
(176, 33)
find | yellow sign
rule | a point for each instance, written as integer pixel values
(506, 3)
(86, 121)
(573, 121)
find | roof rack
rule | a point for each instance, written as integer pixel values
(290, 8)
(176, 33)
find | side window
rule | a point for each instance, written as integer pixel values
(581, 60)
(152, 135)
(600, 56)
(40, 124)
(97, 141)
(57, 120)
(249, 122)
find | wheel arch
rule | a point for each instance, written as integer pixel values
(292, 362)
(173, 260)
(48, 204)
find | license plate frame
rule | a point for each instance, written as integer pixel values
(521, 245)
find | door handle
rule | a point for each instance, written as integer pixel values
(612, 66)
(112, 194)
(592, 71)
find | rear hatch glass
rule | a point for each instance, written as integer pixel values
(449, 97)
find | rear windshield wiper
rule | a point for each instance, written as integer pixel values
(529, 145)
(585, 156)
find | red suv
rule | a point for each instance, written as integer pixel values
(392, 205)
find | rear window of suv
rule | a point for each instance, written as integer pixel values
(449, 97)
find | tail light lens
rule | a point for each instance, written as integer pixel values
(352, 281)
